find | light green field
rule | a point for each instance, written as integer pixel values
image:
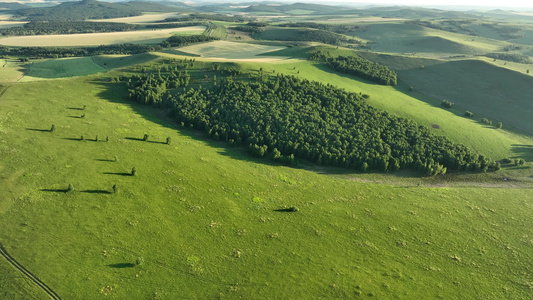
(96, 39)
(201, 217)
(60, 68)
(10, 70)
(230, 50)
(146, 18)
(120, 61)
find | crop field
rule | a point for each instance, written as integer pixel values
(231, 50)
(11, 70)
(146, 18)
(8, 24)
(96, 39)
(348, 238)
(61, 68)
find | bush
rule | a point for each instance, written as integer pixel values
(447, 104)
(500, 125)
(133, 171)
(507, 161)
(168, 140)
(70, 187)
(469, 114)
(53, 128)
(145, 137)
(115, 188)
(486, 121)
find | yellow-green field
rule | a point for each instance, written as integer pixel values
(96, 39)
(146, 18)
(232, 51)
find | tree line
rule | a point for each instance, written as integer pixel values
(285, 118)
(125, 49)
(337, 28)
(358, 66)
(66, 27)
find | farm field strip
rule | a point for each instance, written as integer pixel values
(232, 51)
(96, 39)
(146, 18)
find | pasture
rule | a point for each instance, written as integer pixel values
(60, 68)
(202, 220)
(231, 50)
(96, 39)
(146, 18)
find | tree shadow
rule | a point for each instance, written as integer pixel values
(105, 160)
(133, 139)
(118, 173)
(121, 265)
(54, 190)
(74, 139)
(523, 151)
(96, 192)
(289, 209)
(156, 142)
(37, 129)
(76, 117)
(76, 108)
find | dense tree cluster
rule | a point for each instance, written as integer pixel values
(358, 66)
(519, 58)
(65, 27)
(286, 118)
(180, 40)
(457, 26)
(252, 29)
(208, 17)
(338, 28)
(56, 52)
(307, 35)
(173, 25)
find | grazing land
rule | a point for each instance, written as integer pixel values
(96, 39)
(105, 198)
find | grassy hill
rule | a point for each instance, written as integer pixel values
(476, 85)
(201, 220)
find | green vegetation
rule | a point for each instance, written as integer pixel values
(358, 66)
(326, 125)
(307, 35)
(65, 27)
(514, 57)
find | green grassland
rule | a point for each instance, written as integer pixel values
(229, 50)
(202, 217)
(410, 38)
(60, 68)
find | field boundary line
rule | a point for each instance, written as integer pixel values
(28, 274)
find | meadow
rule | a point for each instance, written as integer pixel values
(348, 238)
(96, 39)
(102, 198)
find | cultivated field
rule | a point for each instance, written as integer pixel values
(231, 51)
(60, 68)
(146, 18)
(153, 238)
(96, 39)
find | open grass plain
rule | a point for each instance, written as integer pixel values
(200, 219)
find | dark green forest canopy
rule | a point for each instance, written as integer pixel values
(65, 27)
(285, 118)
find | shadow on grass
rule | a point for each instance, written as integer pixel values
(76, 108)
(54, 190)
(290, 209)
(105, 160)
(117, 173)
(523, 151)
(37, 129)
(133, 139)
(96, 192)
(74, 139)
(76, 117)
(121, 265)
(156, 142)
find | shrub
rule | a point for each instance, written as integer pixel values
(411, 88)
(115, 188)
(107, 138)
(82, 138)
(447, 104)
(486, 121)
(469, 114)
(96, 139)
(116, 158)
(507, 161)
(82, 116)
(145, 138)
(500, 125)
(168, 140)
(133, 171)
(70, 187)
(53, 128)
(139, 261)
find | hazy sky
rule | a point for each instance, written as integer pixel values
(481, 3)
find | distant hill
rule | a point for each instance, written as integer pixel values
(11, 6)
(312, 8)
(406, 12)
(92, 9)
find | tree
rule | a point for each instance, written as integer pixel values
(53, 128)
(133, 171)
(168, 140)
(115, 188)
(70, 187)
(500, 125)
(145, 138)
